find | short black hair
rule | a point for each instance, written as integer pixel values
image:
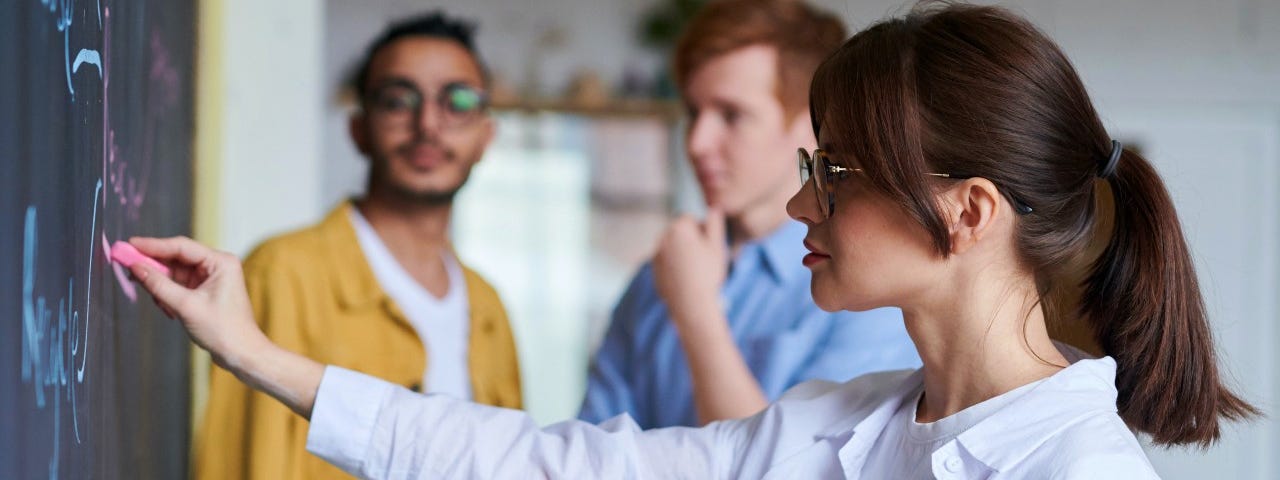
(434, 24)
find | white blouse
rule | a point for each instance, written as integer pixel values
(1064, 427)
(905, 447)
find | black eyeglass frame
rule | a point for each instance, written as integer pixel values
(831, 172)
(448, 118)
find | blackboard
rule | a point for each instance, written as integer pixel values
(95, 145)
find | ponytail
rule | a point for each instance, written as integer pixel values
(1143, 302)
(979, 91)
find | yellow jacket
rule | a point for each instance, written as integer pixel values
(314, 293)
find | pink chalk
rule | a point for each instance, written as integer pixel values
(127, 255)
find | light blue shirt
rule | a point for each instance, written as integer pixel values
(640, 368)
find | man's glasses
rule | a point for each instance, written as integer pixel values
(828, 174)
(400, 102)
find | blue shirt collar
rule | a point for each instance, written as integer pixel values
(780, 252)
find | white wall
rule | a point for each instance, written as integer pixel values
(1195, 82)
(257, 142)
(268, 163)
(1207, 157)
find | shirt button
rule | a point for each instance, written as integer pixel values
(952, 464)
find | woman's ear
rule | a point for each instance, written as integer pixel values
(972, 209)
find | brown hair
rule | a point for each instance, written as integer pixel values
(802, 35)
(979, 91)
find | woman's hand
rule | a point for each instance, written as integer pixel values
(206, 294)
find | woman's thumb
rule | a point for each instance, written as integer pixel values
(161, 286)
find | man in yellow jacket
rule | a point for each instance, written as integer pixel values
(376, 286)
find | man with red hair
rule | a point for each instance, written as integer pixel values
(721, 321)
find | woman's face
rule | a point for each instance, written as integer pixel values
(869, 253)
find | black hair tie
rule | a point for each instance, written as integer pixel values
(1109, 169)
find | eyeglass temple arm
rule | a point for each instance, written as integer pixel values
(1018, 205)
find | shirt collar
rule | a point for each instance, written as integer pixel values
(876, 420)
(1008, 436)
(356, 286)
(782, 250)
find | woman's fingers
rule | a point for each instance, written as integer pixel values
(170, 295)
(186, 276)
(179, 251)
(190, 262)
(164, 309)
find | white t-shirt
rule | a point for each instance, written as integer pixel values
(905, 447)
(443, 324)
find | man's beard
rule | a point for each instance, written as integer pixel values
(380, 172)
(429, 198)
(432, 197)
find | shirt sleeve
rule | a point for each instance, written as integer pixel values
(1118, 466)
(608, 385)
(373, 429)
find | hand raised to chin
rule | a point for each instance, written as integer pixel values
(690, 268)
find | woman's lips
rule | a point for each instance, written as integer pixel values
(814, 259)
(815, 256)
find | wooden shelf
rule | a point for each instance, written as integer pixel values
(669, 110)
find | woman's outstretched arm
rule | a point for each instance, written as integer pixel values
(206, 294)
(374, 429)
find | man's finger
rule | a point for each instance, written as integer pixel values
(714, 226)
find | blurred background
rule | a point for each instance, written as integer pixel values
(588, 165)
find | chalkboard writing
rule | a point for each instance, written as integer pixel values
(95, 142)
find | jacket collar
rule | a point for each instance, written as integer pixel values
(357, 287)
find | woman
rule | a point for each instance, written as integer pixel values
(960, 164)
